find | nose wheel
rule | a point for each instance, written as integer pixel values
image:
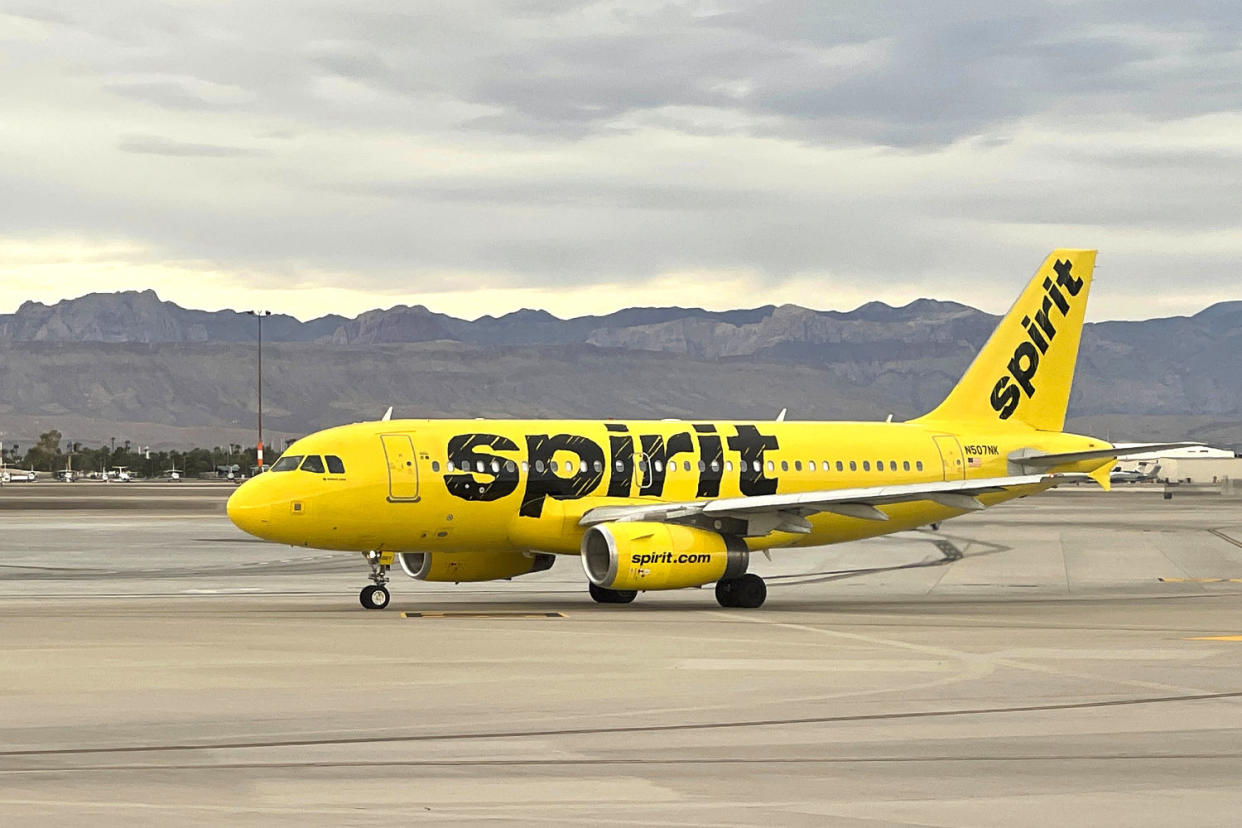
(376, 596)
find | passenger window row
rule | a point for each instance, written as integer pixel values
(494, 466)
(313, 463)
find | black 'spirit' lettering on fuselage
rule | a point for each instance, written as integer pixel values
(711, 461)
(462, 454)
(475, 455)
(587, 470)
(657, 452)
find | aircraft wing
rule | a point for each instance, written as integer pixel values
(788, 512)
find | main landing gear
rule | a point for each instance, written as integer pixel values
(602, 595)
(745, 592)
(376, 596)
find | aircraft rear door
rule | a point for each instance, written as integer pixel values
(402, 467)
(951, 457)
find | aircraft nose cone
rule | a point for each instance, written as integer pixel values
(246, 511)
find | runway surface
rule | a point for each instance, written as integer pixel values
(157, 666)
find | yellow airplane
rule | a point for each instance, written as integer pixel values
(663, 504)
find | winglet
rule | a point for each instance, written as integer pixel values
(780, 418)
(1103, 475)
(387, 415)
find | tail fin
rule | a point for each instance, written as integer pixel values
(1024, 372)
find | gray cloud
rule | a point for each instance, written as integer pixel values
(552, 144)
(154, 145)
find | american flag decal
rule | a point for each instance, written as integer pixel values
(974, 462)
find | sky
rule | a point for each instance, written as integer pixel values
(480, 157)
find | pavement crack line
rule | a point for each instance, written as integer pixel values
(969, 658)
(594, 731)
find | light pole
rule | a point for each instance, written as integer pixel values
(259, 316)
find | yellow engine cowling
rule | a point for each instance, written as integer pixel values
(659, 556)
(473, 566)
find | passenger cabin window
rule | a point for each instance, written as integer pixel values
(918, 464)
(853, 465)
(313, 464)
(510, 466)
(728, 465)
(905, 465)
(335, 466)
(686, 465)
(287, 463)
(840, 466)
(892, 465)
(784, 465)
(866, 465)
(797, 465)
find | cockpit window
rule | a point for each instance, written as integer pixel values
(289, 462)
(313, 464)
(335, 466)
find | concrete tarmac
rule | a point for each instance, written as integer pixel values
(159, 667)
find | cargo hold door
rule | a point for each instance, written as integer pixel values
(402, 467)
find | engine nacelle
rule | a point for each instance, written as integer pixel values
(659, 556)
(473, 566)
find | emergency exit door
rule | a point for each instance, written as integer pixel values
(951, 457)
(402, 467)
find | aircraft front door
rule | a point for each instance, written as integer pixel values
(951, 458)
(402, 467)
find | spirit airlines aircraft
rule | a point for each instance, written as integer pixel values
(669, 504)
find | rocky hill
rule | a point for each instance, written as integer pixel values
(131, 362)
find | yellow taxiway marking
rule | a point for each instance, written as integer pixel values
(1201, 580)
(1216, 638)
(482, 615)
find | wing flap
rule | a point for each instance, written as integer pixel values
(790, 510)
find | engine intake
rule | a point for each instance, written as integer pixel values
(473, 566)
(659, 556)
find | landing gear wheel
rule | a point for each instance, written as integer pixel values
(602, 595)
(374, 597)
(747, 592)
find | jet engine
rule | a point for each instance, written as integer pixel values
(639, 556)
(473, 566)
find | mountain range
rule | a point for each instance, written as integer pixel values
(162, 374)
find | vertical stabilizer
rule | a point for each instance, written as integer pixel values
(1024, 372)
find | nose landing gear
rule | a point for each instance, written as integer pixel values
(376, 596)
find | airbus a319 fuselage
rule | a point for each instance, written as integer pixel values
(663, 504)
